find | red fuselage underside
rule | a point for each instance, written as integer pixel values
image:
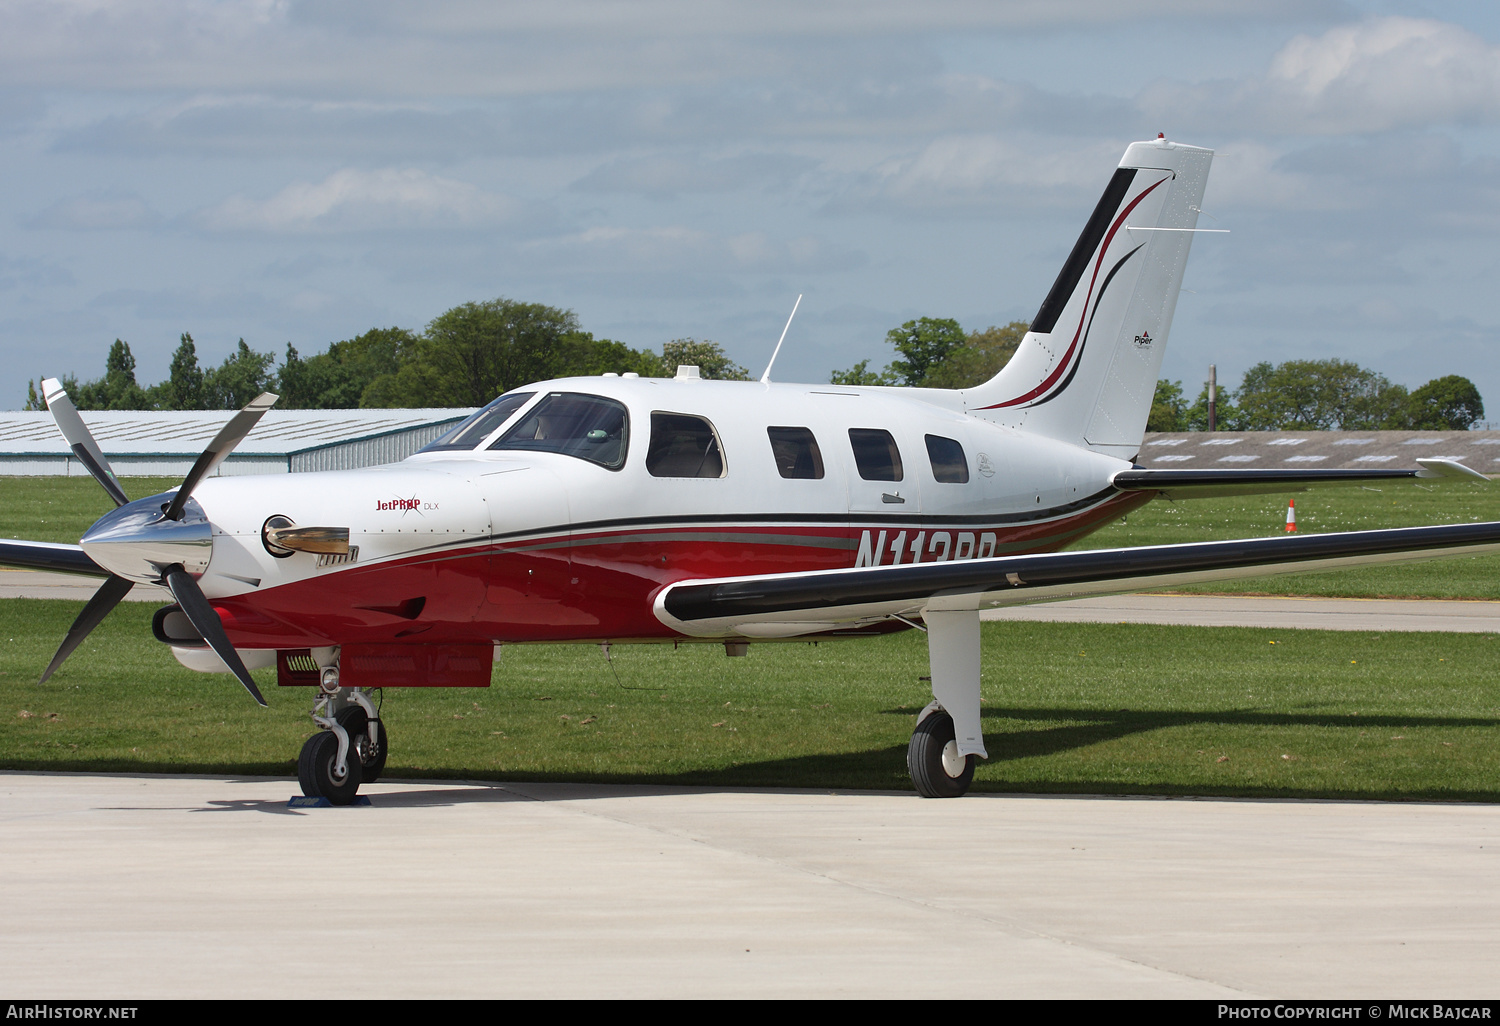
(575, 585)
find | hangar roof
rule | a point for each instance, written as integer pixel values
(1478, 450)
(144, 432)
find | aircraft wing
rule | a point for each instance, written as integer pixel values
(789, 605)
(59, 558)
(1207, 484)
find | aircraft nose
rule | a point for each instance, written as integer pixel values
(138, 543)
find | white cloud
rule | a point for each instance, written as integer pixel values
(1388, 73)
(1371, 76)
(488, 47)
(97, 212)
(664, 175)
(353, 200)
(674, 247)
(962, 172)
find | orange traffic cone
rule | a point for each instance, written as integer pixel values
(1291, 514)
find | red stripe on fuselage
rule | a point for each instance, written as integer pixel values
(1068, 356)
(596, 585)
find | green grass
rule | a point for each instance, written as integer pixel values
(1329, 509)
(60, 509)
(1092, 708)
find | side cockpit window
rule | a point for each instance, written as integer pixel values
(683, 446)
(948, 463)
(589, 427)
(875, 454)
(479, 426)
(796, 453)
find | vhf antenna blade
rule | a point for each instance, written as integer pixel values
(765, 379)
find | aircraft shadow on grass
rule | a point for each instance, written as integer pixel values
(1100, 725)
(884, 769)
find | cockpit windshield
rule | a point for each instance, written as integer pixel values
(479, 426)
(589, 427)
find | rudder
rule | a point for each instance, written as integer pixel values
(1086, 371)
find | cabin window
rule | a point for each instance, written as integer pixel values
(948, 463)
(875, 454)
(479, 426)
(683, 446)
(589, 427)
(796, 453)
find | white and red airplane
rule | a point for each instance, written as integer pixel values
(625, 509)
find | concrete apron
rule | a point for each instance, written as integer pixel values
(121, 887)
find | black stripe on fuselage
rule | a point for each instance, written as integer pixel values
(1083, 249)
(1082, 345)
(567, 533)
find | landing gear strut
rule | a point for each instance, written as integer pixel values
(367, 737)
(949, 737)
(349, 748)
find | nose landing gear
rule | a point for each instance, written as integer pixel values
(325, 771)
(349, 748)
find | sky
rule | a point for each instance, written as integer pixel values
(299, 171)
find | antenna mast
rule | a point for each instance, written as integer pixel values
(765, 379)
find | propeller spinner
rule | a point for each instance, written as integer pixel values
(163, 539)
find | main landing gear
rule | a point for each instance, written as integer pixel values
(349, 748)
(949, 738)
(936, 766)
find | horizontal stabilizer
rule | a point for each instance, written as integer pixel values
(785, 605)
(1207, 484)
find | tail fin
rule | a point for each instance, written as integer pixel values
(1086, 371)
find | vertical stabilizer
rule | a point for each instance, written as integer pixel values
(1086, 371)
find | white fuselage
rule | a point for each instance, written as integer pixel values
(506, 545)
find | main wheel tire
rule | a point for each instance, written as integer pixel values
(933, 760)
(316, 770)
(356, 722)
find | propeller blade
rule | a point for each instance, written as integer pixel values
(106, 598)
(196, 607)
(231, 435)
(80, 440)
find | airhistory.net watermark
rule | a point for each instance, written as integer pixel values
(68, 1010)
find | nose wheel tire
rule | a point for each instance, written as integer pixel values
(317, 770)
(356, 722)
(937, 769)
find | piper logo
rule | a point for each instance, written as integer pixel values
(1143, 339)
(404, 505)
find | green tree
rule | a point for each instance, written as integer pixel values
(1227, 416)
(708, 357)
(1449, 403)
(118, 389)
(603, 356)
(472, 353)
(1319, 395)
(183, 389)
(861, 374)
(1168, 408)
(922, 344)
(341, 377)
(242, 376)
(979, 358)
(33, 401)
